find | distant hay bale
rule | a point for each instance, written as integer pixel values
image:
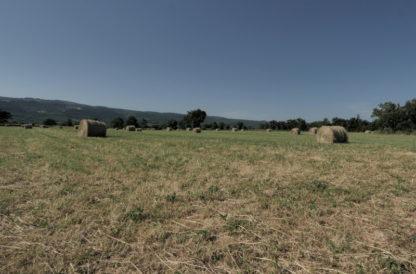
(234, 129)
(197, 130)
(27, 126)
(332, 134)
(188, 129)
(242, 129)
(217, 129)
(313, 130)
(130, 128)
(138, 129)
(43, 126)
(368, 132)
(295, 131)
(269, 130)
(92, 128)
(168, 129)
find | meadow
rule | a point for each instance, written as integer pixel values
(215, 202)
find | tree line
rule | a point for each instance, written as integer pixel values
(388, 117)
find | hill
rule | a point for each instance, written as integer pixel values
(34, 110)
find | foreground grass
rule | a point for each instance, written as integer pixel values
(213, 202)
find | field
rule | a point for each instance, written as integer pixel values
(216, 202)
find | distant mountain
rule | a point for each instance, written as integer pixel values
(34, 110)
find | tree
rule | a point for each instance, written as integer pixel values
(388, 115)
(194, 118)
(239, 125)
(68, 123)
(50, 122)
(143, 123)
(117, 122)
(4, 116)
(132, 121)
(172, 124)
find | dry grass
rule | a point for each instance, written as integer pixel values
(214, 202)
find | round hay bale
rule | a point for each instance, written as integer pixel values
(43, 126)
(92, 128)
(188, 129)
(130, 128)
(138, 129)
(269, 130)
(234, 129)
(295, 131)
(168, 129)
(368, 132)
(197, 130)
(332, 134)
(313, 130)
(217, 129)
(27, 126)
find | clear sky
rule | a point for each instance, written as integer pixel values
(234, 58)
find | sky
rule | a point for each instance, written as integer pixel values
(246, 59)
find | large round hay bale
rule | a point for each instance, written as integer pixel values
(168, 129)
(234, 129)
(43, 126)
(130, 128)
(138, 129)
(313, 130)
(269, 130)
(197, 130)
(92, 128)
(332, 134)
(368, 132)
(217, 129)
(295, 131)
(188, 129)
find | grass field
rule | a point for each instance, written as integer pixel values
(217, 202)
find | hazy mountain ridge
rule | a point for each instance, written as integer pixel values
(35, 110)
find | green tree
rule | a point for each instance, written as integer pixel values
(4, 116)
(143, 123)
(132, 121)
(117, 122)
(172, 124)
(50, 122)
(194, 118)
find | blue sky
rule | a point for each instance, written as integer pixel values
(239, 59)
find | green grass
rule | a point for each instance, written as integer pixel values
(157, 201)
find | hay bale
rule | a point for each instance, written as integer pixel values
(188, 129)
(92, 128)
(234, 129)
(332, 134)
(217, 129)
(130, 128)
(138, 129)
(295, 131)
(368, 132)
(313, 130)
(27, 126)
(269, 130)
(43, 126)
(197, 130)
(168, 129)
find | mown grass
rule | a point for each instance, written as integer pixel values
(157, 201)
